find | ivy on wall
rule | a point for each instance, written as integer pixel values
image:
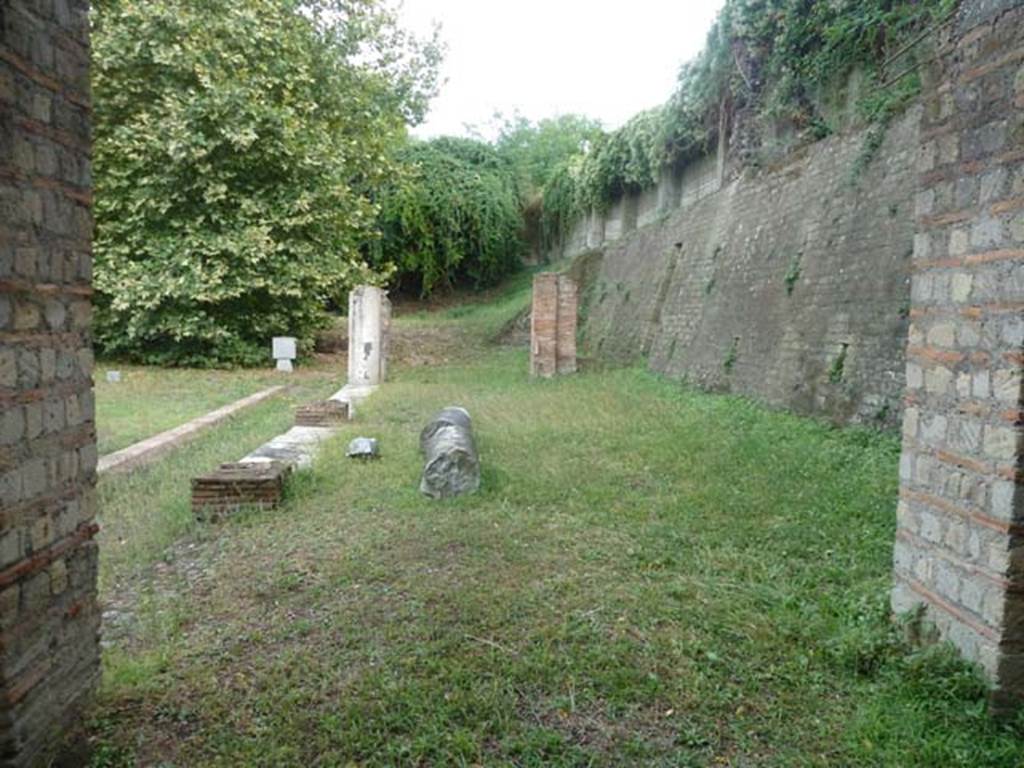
(765, 61)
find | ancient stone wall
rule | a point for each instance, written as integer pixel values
(49, 620)
(959, 552)
(790, 284)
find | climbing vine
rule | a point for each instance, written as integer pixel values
(764, 60)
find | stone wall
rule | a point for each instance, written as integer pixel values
(49, 620)
(790, 284)
(958, 552)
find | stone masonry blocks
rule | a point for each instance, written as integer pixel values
(49, 617)
(958, 552)
(369, 324)
(553, 325)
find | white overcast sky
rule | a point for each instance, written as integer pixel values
(607, 60)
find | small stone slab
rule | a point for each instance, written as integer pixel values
(364, 448)
(325, 413)
(236, 485)
(297, 447)
(283, 348)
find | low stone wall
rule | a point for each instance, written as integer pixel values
(790, 285)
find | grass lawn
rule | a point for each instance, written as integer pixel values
(150, 400)
(649, 576)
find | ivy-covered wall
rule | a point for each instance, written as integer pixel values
(790, 283)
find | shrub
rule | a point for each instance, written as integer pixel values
(453, 216)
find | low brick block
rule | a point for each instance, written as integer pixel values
(236, 485)
(324, 413)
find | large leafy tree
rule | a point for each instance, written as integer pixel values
(536, 149)
(238, 146)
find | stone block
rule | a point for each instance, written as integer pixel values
(284, 348)
(369, 324)
(1001, 442)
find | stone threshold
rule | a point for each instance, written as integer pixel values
(150, 449)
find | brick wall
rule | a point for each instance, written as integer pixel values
(791, 284)
(959, 552)
(49, 620)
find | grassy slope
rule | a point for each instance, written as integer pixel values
(650, 576)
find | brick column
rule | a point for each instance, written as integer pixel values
(49, 618)
(553, 325)
(958, 551)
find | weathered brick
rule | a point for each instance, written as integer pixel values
(34, 213)
(8, 367)
(26, 315)
(961, 287)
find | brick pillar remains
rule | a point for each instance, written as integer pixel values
(959, 550)
(369, 325)
(553, 325)
(49, 618)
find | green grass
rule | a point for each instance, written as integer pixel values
(149, 400)
(649, 576)
(144, 512)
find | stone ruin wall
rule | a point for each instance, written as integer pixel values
(959, 553)
(49, 618)
(790, 284)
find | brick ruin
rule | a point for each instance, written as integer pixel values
(958, 551)
(960, 513)
(49, 646)
(553, 325)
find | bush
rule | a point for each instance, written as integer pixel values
(453, 216)
(237, 147)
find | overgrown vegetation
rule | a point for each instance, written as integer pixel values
(776, 62)
(454, 215)
(536, 149)
(237, 146)
(690, 581)
(793, 272)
